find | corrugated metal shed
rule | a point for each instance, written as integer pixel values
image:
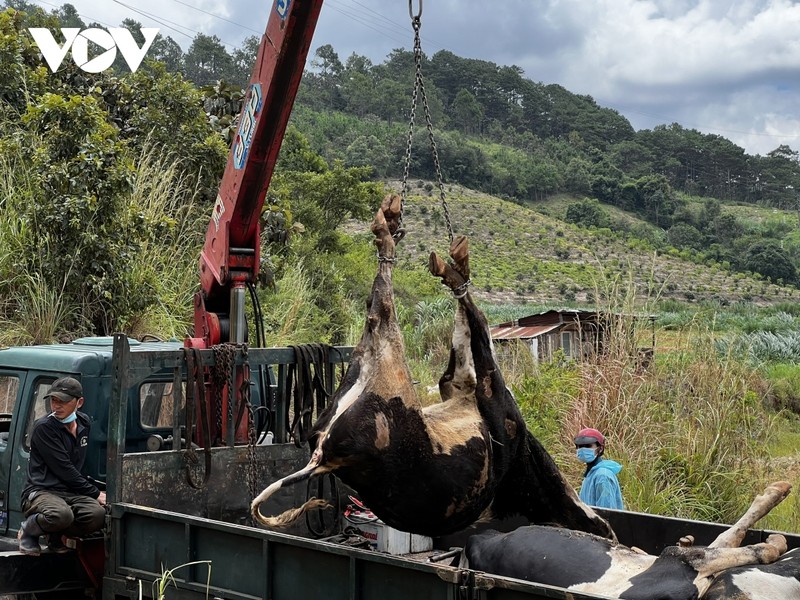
(517, 332)
(532, 326)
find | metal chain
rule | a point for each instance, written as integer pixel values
(252, 461)
(192, 375)
(419, 89)
(434, 151)
(223, 368)
(404, 184)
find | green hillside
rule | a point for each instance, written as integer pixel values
(529, 255)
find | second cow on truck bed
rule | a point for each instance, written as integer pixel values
(432, 470)
(586, 563)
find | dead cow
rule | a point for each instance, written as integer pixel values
(581, 562)
(432, 470)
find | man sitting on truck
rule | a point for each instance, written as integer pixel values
(58, 499)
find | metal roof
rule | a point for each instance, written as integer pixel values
(513, 332)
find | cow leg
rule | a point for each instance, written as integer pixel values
(724, 552)
(459, 378)
(472, 357)
(380, 349)
(772, 496)
(529, 481)
(716, 560)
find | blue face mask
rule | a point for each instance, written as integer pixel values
(585, 454)
(68, 419)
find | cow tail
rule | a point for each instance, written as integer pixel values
(287, 518)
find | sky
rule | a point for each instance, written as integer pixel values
(725, 67)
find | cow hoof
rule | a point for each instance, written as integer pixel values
(391, 207)
(437, 266)
(379, 225)
(459, 252)
(778, 542)
(448, 274)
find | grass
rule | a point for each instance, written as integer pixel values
(167, 262)
(690, 433)
(40, 313)
(31, 312)
(160, 585)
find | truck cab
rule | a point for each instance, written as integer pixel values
(25, 375)
(27, 372)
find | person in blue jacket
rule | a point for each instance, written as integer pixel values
(600, 485)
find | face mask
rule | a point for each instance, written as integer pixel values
(70, 418)
(585, 454)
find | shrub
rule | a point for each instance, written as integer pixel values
(784, 393)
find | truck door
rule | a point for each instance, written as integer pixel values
(10, 407)
(30, 405)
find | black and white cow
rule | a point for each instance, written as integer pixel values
(432, 470)
(777, 581)
(586, 563)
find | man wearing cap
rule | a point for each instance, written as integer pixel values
(58, 499)
(600, 485)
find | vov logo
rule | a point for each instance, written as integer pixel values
(116, 38)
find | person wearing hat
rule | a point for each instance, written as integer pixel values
(58, 499)
(600, 485)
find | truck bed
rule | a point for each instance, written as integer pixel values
(250, 563)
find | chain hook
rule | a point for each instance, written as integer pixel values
(414, 18)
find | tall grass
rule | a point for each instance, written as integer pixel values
(291, 313)
(31, 312)
(165, 268)
(691, 430)
(40, 313)
(167, 265)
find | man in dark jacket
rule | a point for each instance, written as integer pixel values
(58, 498)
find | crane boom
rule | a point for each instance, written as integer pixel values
(231, 255)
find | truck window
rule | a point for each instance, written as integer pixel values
(9, 385)
(41, 407)
(156, 404)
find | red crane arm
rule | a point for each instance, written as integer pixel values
(230, 257)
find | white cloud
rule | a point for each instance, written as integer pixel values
(731, 68)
